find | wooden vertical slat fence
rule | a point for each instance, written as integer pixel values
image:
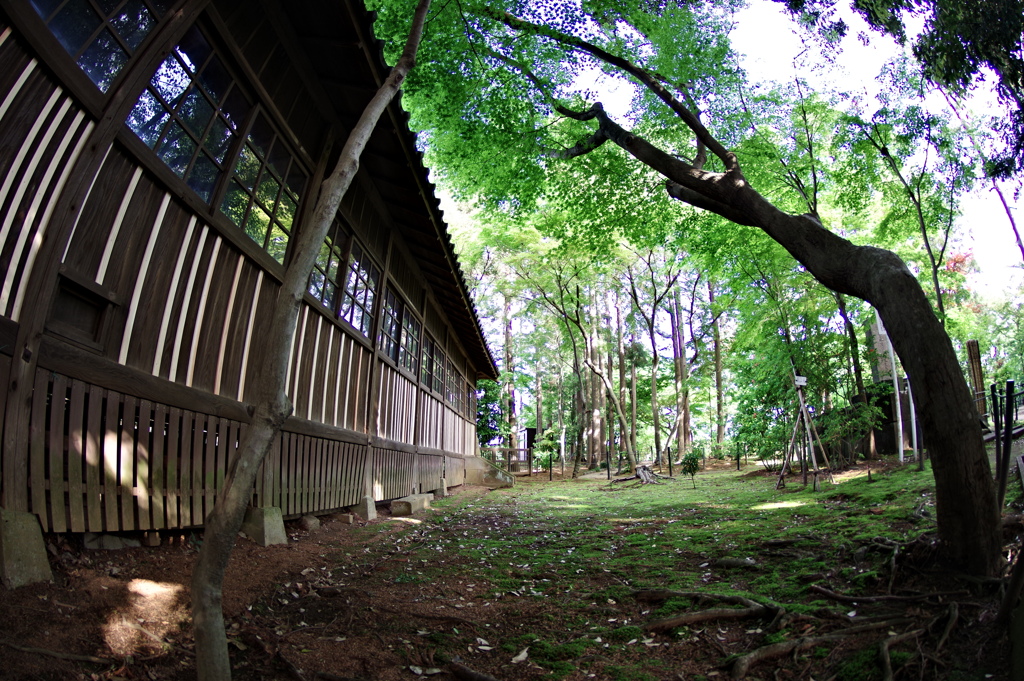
(102, 461)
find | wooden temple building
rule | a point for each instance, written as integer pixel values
(156, 157)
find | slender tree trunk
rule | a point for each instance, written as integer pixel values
(632, 393)
(719, 388)
(272, 406)
(509, 384)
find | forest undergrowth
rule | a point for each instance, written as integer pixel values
(724, 577)
(733, 579)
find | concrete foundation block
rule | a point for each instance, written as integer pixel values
(310, 523)
(442, 491)
(151, 538)
(347, 518)
(366, 508)
(265, 525)
(410, 504)
(22, 551)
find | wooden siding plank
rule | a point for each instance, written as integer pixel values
(226, 329)
(170, 303)
(141, 280)
(44, 198)
(188, 428)
(172, 457)
(248, 334)
(32, 497)
(197, 348)
(111, 447)
(126, 463)
(115, 228)
(58, 443)
(158, 480)
(94, 441)
(198, 449)
(186, 313)
(145, 442)
(210, 464)
(76, 453)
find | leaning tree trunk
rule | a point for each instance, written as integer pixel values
(966, 508)
(966, 511)
(967, 514)
(272, 406)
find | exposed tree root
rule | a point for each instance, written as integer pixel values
(842, 598)
(883, 651)
(750, 608)
(742, 664)
(59, 655)
(952, 616)
(461, 671)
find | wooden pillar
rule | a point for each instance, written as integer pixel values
(977, 376)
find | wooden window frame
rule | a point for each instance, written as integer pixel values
(108, 26)
(360, 290)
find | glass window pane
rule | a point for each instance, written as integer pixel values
(103, 60)
(203, 176)
(248, 167)
(316, 283)
(279, 159)
(286, 210)
(196, 112)
(193, 49)
(133, 23)
(148, 118)
(108, 6)
(330, 294)
(161, 6)
(215, 79)
(261, 136)
(267, 193)
(44, 8)
(323, 256)
(74, 25)
(177, 149)
(218, 141)
(235, 108)
(332, 271)
(235, 203)
(170, 81)
(296, 180)
(256, 225)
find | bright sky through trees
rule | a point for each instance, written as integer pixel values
(771, 46)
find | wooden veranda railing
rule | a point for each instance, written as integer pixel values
(514, 460)
(1006, 410)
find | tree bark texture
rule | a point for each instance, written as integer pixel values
(272, 406)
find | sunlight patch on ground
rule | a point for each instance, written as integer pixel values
(778, 504)
(409, 521)
(153, 609)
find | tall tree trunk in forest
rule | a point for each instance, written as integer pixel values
(719, 387)
(582, 418)
(508, 386)
(682, 375)
(539, 420)
(858, 371)
(632, 392)
(625, 430)
(272, 406)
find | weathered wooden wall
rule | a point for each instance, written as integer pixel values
(152, 318)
